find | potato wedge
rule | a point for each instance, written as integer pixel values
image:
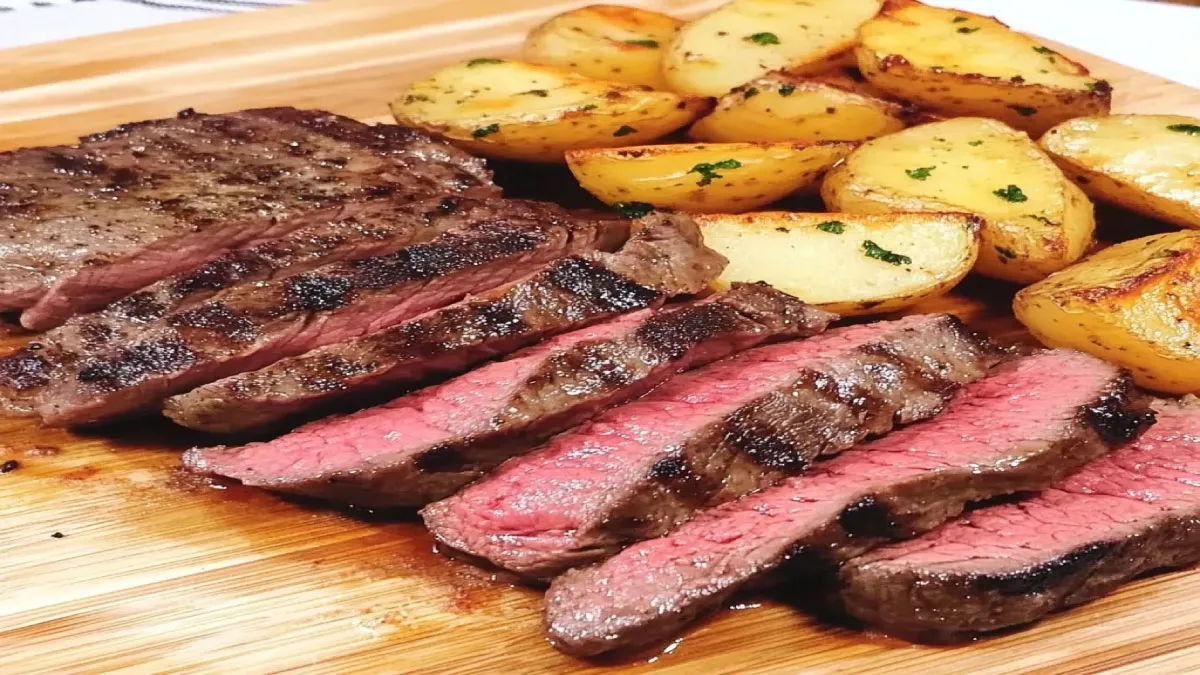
(958, 63)
(607, 42)
(745, 39)
(517, 110)
(852, 264)
(782, 107)
(704, 178)
(1136, 304)
(1145, 163)
(1035, 220)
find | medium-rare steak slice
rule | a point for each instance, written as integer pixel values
(665, 257)
(705, 437)
(429, 444)
(254, 324)
(1131, 512)
(377, 228)
(86, 224)
(1029, 423)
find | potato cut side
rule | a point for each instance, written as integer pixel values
(607, 42)
(517, 110)
(748, 38)
(704, 177)
(1145, 163)
(782, 107)
(852, 264)
(1136, 304)
(958, 63)
(1035, 220)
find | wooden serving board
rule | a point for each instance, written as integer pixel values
(111, 561)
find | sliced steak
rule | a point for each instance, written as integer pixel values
(427, 445)
(664, 257)
(86, 224)
(255, 324)
(717, 433)
(376, 228)
(1134, 511)
(1030, 423)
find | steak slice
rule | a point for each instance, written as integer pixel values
(1131, 512)
(254, 324)
(374, 228)
(429, 444)
(717, 433)
(1030, 423)
(84, 225)
(665, 257)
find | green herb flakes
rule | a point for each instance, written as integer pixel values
(625, 130)
(1189, 129)
(751, 92)
(485, 131)
(633, 209)
(920, 173)
(873, 250)
(535, 92)
(708, 172)
(832, 226)
(958, 19)
(1012, 193)
(590, 106)
(763, 38)
(1043, 50)
(967, 31)
(643, 43)
(974, 144)
(482, 62)
(787, 89)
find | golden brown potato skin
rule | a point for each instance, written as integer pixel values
(1136, 304)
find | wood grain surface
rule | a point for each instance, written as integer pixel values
(113, 562)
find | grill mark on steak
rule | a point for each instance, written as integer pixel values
(665, 256)
(723, 431)
(1023, 427)
(427, 445)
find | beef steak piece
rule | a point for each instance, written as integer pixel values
(665, 256)
(429, 444)
(86, 224)
(254, 324)
(1131, 512)
(705, 437)
(1028, 424)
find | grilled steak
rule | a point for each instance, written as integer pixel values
(665, 256)
(376, 228)
(427, 445)
(1123, 515)
(254, 324)
(1028, 424)
(84, 225)
(639, 470)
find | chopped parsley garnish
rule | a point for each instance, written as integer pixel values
(625, 130)
(752, 91)
(642, 43)
(763, 38)
(535, 92)
(873, 250)
(974, 144)
(708, 172)
(1189, 129)
(590, 106)
(633, 209)
(920, 173)
(1012, 193)
(832, 226)
(1043, 50)
(1023, 110)
(958, 19)
(1006, 253)
(966, 30)
(485, 131)
(787, 89)
(482, 62)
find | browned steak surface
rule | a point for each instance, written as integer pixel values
(429, 444)
(83, 225)
(1028, 424)
(665, 256)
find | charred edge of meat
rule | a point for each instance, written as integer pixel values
(1121, 414)
(673, 335)
(25, 369)
(599, 285)
(1048, 574)
(868, 517)
(132, 365)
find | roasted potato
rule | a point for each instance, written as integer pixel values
(1145, 163)
(748, 38)
(1035, 221)
(716, 177)
(1136, 304)
(958, 63)
(781, 107)
(517, 110)
(607, 42)
(847, 263)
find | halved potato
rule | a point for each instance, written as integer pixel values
(1145, 163)
(713, 177)
(959, 63)
(1035, 220)
(517, 110)
(1136, 304)
(748, 38)
(847, 263)
(607, 42)
(782, 107)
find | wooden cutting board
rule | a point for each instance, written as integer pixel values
(111, 561)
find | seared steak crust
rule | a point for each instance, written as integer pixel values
(665, 256)
(429, 444)
(1027, 425)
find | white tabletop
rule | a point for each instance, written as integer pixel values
(1155, 37)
